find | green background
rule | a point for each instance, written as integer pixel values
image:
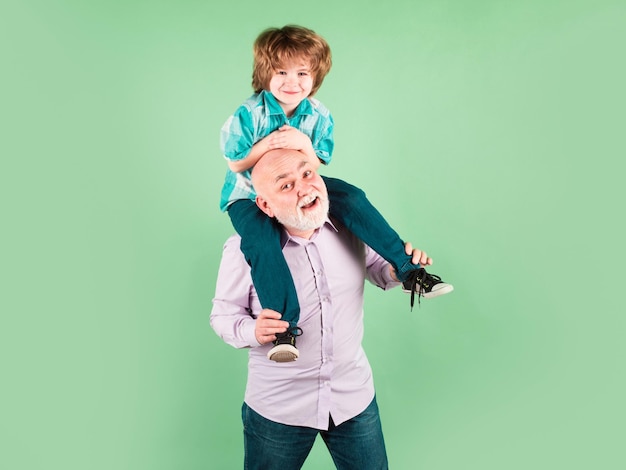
(489, 133)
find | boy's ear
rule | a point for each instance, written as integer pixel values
(264, 206)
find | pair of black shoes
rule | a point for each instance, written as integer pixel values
(419, 282)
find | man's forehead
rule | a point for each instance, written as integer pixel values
(283, 172)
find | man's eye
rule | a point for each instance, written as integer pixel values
(286, 187)
(307, 173)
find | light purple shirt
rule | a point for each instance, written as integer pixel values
(332, 376)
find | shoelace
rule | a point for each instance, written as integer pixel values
(425, 279)
(295, 331)
(414, 277)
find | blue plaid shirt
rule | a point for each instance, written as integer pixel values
(256, 118)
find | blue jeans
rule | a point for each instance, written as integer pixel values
(350, 206)
(356, 444)
(260, 244)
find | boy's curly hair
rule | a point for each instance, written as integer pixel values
(276, 47)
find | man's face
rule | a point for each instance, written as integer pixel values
(289, 189)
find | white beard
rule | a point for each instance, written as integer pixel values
(310, 220)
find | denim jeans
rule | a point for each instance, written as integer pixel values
(350, 206)
(356, 444)
(260, 244)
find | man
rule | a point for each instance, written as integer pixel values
(329, 389)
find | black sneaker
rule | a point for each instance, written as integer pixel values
(425, 285)
(284, 349)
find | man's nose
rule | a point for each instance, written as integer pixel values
(303, 188)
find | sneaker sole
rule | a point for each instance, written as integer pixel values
(283, 353)
(444, 289)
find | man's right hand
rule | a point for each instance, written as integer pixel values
(268, 323)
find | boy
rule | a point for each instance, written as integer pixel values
(290, 64)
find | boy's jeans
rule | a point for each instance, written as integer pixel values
(260, 243)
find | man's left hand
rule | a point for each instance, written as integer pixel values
(417, 257)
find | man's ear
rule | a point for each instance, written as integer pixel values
(263, 205)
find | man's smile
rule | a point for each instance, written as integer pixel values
(309, 202)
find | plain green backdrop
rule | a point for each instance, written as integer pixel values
(489, 133)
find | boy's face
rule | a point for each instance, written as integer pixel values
(290, 84)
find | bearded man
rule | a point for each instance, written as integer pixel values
(329, 390)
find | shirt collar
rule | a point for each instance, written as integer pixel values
(272, 106)
(286, 238)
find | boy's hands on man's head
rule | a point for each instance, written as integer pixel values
(287, 137)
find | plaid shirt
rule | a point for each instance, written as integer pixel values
(256, 118)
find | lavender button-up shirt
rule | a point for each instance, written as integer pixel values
(332, 376)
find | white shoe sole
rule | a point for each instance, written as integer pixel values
(283, 353)
(440, 289)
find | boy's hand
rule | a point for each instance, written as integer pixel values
(287, 137)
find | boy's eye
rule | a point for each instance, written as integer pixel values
(303, 74)
(281, 72)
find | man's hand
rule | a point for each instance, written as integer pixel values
(268, 323)
(417, 257)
